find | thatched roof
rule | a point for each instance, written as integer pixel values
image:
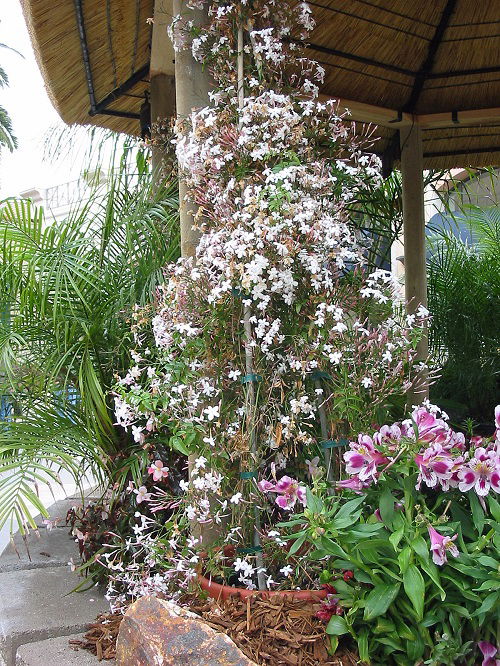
(407, 60)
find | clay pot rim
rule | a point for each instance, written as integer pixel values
(219, 591)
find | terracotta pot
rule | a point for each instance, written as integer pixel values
(224, 592)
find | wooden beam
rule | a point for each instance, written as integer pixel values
(162, 84)
(394, 119)
(369, 113)
(455, 119)
(414, 232)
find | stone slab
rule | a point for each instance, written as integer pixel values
(36, 604)
(56, 652)
(40, 549)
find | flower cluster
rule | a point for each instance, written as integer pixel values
(278, 283)
(438, 452)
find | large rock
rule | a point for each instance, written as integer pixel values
(159, 633)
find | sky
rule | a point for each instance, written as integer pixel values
(31, 111)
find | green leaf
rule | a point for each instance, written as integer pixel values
(492, 600)
(396, 537)
(178, 445)
(364, 653)
(477, 512)
(384, 626)
(432, 571)
(386, 507)
(379, 600)
(413, 583)
(488, 562)
(494, 507)
(415, 649)
(419, 545)
(297, 544)
(404, 558)
(488, 585)
(337, 626)
(349, 507)
(314, 503)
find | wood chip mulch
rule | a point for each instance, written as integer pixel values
(279, 631)
(101, 637)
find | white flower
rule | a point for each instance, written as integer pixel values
(234, 374)
(335, 357)
(211, 412)
(142, 494)
(137, 434)
(287, 570)
(235, 499)
(367, 382)
(200, 462)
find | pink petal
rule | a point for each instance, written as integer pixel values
(284, 484)
(285, 502)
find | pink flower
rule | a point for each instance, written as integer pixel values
(289, 492)
(435, 464)
(481, 473)
(497, 417)
(440, 544)
(388, 434)
(489, 653)
(363, 459)
(353, 484)
(430, 429)
(158, 471)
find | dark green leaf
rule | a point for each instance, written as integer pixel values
(414, 586)
(379, 600)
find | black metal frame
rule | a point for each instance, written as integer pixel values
(100, 108)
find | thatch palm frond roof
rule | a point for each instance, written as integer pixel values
(407, 61)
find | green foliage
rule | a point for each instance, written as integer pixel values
(464, 299)
(400, 608)
(66, 290)
(7, 137)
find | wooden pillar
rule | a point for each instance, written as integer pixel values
(162, 84)
(192, 84)
(414, 231)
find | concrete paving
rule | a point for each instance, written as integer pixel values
(38, 609)
(38, 550)
(55, 652)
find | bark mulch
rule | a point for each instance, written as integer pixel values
(101, 637)
(279, 631)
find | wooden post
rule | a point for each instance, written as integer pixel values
(162, 84)
(414, 232)
(192, 84)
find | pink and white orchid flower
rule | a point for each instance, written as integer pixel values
(440, 545)
(289, 492)
(363, 458)
(430, 429)
(434, 465)
(482, 473)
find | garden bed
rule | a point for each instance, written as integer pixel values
(272, 632)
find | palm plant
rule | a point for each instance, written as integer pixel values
(66, 290)
(7, 137)
(464, 299)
